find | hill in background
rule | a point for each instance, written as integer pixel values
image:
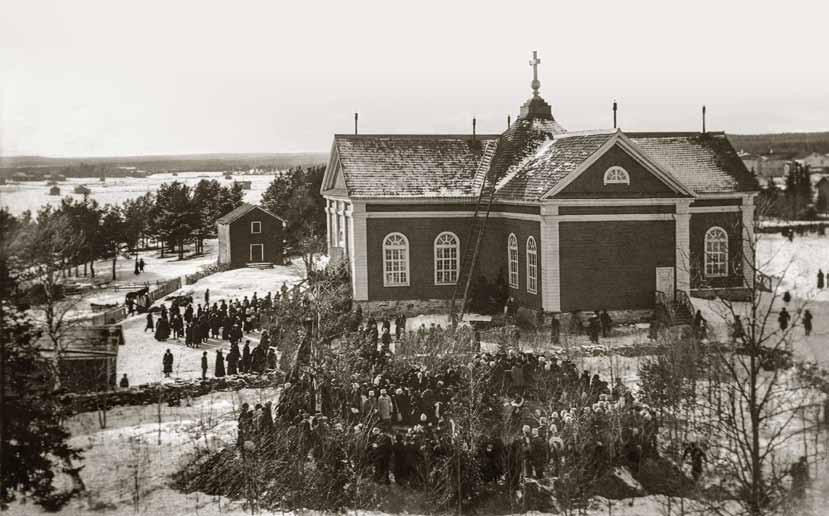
(39, 166)
(784, 145)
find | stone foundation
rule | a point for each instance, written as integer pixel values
(407, 307)
(731, 294)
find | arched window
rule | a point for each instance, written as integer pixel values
(616, 176)
(512, 258)
(395, 260)
(447, 258)
(716, 252)
(532, 266)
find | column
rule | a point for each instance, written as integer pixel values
(328, 226)
(683, 246)
(747, 209)
(550, 268)
(359, 263)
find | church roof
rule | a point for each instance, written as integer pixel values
(704, 163)
(422, 166)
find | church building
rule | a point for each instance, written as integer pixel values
(590, 220)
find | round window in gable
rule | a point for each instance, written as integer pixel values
(616, 176)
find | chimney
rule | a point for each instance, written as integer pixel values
(615, 108)
(703, 119)
(474, 124)
(356, 117)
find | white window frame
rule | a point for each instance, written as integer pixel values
(532, 266)
(616, 175)
(259, 224)
(447, 265)
(262, 254)
(512, 260)
(715, 261)
(403, 272)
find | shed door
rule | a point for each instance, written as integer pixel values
(665, 281)
(257, 253)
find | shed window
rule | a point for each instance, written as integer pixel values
(256, 227)
(395, 260)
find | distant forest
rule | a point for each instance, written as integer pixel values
(784, 145)
(37, 167)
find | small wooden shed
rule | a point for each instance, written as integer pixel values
(251, 234)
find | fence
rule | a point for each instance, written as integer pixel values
(118, 314)
(207, 271)
(164, 289)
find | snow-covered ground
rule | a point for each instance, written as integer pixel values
(140, 356)
(794, 265)
(31, 195)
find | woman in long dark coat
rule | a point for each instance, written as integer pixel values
(220, 364)
(233, 360)
(162, 329)
(150, 325)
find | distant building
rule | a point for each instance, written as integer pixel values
(88, 357)
(82, 190)
(251, 234)
(822, 189)
(54, 190)
(244, 184)
(816, 162)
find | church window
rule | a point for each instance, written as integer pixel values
(512, 256)
(716, 252)
(395, 260)
(532, 266)
(447, 258)
(616, 176)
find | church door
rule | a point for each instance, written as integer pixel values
(665, 282)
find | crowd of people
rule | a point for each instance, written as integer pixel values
(545, 416)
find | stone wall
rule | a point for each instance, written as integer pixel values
(408, 307)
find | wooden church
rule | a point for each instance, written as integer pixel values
(591, 220)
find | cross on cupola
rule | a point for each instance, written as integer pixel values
(534, 62)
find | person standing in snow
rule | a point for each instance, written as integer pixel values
(150, 325)
(783, 319)
(220, 364)
(820, 279)
(141, 265)
(204, 365)
(167, 362)
(207, 297)
(807, 322)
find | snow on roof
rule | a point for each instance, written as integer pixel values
(235, 214)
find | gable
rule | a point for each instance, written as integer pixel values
(643, 182)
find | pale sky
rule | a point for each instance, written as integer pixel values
(108, 78)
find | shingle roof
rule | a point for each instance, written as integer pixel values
(706, 163)
(231, 216)
(553, 160)
(412, 165)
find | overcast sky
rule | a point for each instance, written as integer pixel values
(106, 78)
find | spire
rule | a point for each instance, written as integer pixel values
(534, 62)
(536, 107)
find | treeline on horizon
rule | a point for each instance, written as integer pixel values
(38, 168)
(784, 145)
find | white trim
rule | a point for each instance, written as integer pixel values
(447, 215)
(722, 195)
(705, 253)
(457, 257)
(517, 249)
(633, 201)
(262, 254)
(534, 278)
(252, 232)
(359, 266)
(615, 217)
(715, 209)
(747, 233)
(470, 200)
(407, 264)
(683, 248)
(550, 270)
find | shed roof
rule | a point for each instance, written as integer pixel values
(242, 210)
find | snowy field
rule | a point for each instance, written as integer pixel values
(31, 195)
